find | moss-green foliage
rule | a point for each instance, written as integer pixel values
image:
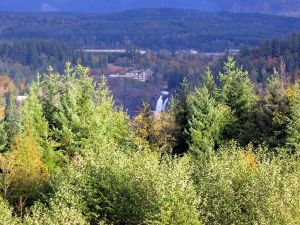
(57, 213)
(216, 115)
(138, 188)
(6, 214)
(237, 186)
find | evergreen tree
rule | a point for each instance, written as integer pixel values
(292, 141)
(50, 98)
(80, 113)
(206, 121)
(3, 134)
(274, 108)
(12, 121)
(68, 107)
(238, 93)
(179, 110)
(209, 83)
(32, 113)
(110, 124)
(33, 107)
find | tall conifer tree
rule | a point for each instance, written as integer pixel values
(238, 93)
(207, 119)
(293, 120)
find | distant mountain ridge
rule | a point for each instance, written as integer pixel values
(276, 7)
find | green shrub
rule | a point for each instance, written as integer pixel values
(62, 208)
(58, 214)
(236, 186)
(140, 188)
(6, 214)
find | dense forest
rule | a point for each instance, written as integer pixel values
(271, 54)
(38, 55)
(220, 154)
(148, 29)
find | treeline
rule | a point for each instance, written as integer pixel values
(40, 54)
(20, 60)
(149, 29)
(220, 155)
(37, 53)
(272, 54)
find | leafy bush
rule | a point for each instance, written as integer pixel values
(58, 214)
(61, 207)
(132, 189)
(238, 187)
(6, 214)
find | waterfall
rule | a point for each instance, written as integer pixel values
(165, 103)
(160, 105)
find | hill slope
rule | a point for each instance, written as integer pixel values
(149, 28)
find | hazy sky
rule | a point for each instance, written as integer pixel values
(97, 5)
(281, 7)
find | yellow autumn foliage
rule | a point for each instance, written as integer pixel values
(24, 170)
(6, 85)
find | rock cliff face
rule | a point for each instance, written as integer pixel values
(277, 7)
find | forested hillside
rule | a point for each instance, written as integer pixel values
(219, 155)
(280, 54)
(149, 29)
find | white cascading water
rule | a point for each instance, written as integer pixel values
(165, 104)
(159, 105)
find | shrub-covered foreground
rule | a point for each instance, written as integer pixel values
(68, 156)
(237, 186)
(110, 186)
(233, 186)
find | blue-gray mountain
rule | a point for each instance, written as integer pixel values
(278, 7)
